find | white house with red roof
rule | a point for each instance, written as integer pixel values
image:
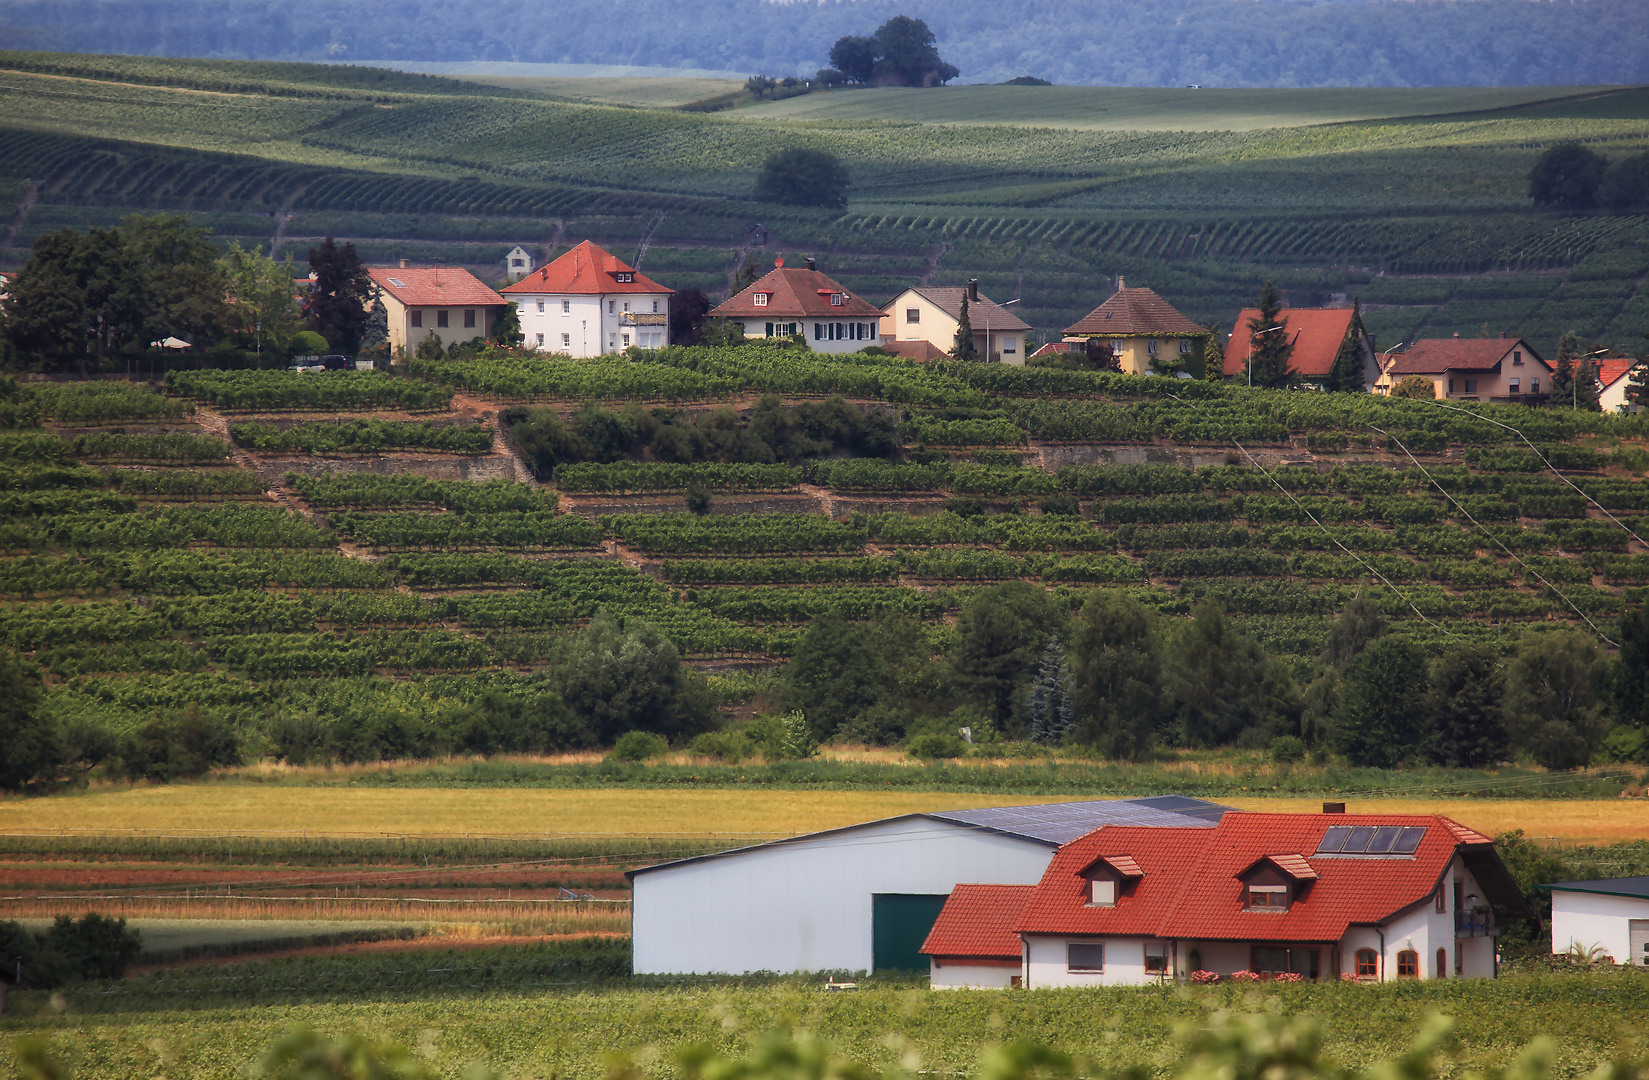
(589, 302)
(1614, 377)
(1142, 329)
(801, 300)
(1372, 897)
(1470, 369)
(1317, 334)
(441, 302)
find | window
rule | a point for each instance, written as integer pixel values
(1471, 386)
(1010, 345)
(1085, 957)
(626, 338)
(1184, 346)
(1151, 346)
(541, 340)
(612, 307)
(913, 315)
(1267, 898)
(769, 329)
(625, 276)
(566, 307)
(469, 318)
(541, 305)
(1408, 964)
(818, 331)
(1517, 358)
(1442, 963)
(1442, 900)
(441, 317)
(566, 340)
(760, 299)
(836, 299)
(1511, 386)
(1368, 965)
(1451, 386)
(1459, 896)
(1102, 892)
(1534, 386)
(417, 317)
(655, 307)
(1156, 958)
(518, 262)
(626, 305)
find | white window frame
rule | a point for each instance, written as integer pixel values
(836, 299)
(541, 305)
(759, 299)
(566, 340)
(1071, 964)
(1152, 345)
(1102, 892)
(566, 307)
(541, 340)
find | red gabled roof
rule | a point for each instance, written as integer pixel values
(1053, 347)
(1316, 333)
(915, 350)
(585, 270)
(1190, 888)
(796, 293)
(434, 286)
(1612, 368)
(1135, 313)
(1434, 356)
(977, 923)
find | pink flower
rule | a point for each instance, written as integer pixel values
(1204, 978)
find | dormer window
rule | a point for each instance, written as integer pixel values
(761, 299)
(625, 277)
(836, 299)
(1102, 892)
(1275, 882)
(1109, 875)
(1266, 898)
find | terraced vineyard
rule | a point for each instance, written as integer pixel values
(149, 572)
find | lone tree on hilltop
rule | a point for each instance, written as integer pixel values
(1566, 176)
(799, 177)
(901, 53)
(339, 295)
(1270, 348)
(1624, 188)
(854, 57)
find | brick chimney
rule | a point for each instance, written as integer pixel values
(973, 290)
(405, 263)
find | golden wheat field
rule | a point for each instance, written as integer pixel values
(445, 812)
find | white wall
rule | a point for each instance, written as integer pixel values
(806, 906)
(1589, 919)
(756, 327)
(589, 328)
(963, 976)
(1124, 963)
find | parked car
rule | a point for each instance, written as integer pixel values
(330, 362)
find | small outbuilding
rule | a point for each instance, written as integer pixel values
(1609, 917)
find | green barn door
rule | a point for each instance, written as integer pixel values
(899, 923)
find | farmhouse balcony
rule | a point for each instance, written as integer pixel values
(644, 318)
(1470, 924)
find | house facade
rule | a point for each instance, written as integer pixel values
(1608, 917)
(445, 303)
(1471, 369)
(801, 300)
(1309, 896)
(1317, 334)
(589, 302)
(519, 263)
(1143, 330)
(1614, 376)
(932, 313)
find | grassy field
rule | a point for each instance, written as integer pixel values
(437, 812)
(647, 93)
(1100, 108)
(548, 1012)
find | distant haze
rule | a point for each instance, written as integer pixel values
(1233, 43)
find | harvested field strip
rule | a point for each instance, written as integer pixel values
(521, 916)
(430, 942)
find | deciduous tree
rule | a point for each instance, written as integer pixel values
(1381, 718)
(1555, 698)
(28, 738)
(261, 310)
(1000, 635)
(338, 295)
(1468, 725)
(854, 57)
(1222, 684)
(1566, 176)
(803, 177)
(1116, 665)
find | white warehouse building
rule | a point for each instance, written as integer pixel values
(860, 898)
(1610, 916)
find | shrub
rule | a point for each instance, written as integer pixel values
(1062, 505)
(698, 499)
(639, 746)
(1415, 386)
(179, 745)
(782, 737)
(1287, 749)
(729, 746)
(934, 747)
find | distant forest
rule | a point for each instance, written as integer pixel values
(1110, 42)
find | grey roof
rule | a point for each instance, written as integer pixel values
(1060, 823)
(1052, 824)
(983, 313)
(1615, 886)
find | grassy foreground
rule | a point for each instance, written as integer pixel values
(453, 812)
(549, 1011)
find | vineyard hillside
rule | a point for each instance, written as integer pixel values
(1414, 202)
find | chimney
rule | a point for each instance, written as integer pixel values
(973, 290)
(1334, 808)
(1122, 283)
(405, 263)
(811, 265)
(1457, 333)
(1502, 335)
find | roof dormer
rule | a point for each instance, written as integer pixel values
(1108, 877)
(1275, 882)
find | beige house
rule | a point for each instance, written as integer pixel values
(931, 313)
(440, 302)
(1470, 369)
(1145, 332)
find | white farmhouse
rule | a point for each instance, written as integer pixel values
(860, 898)
(588, 303)
(1609, 916)
(519, 263)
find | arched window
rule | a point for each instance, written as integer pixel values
(1408, 964)
(1442, 963)
(1368, 965)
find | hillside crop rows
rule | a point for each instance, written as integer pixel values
(144, 574)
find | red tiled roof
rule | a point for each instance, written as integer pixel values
(585, 270)
(977, 923)
(1053, 347)
(1433, 356)
(1295, 866)
(1316, 333)
(949, 300)
(434, 286)
(795, 293)
(1611, 368)
(1190, 891)
(1135, 313)
(915, 350)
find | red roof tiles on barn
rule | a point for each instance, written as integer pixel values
(586, 270)
(976, 923)
(434, 286)
(1316, 333)
(1135, 313)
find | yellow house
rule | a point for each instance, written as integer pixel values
(1144, 330)
(932, 313)
(1470, 369)
(441, 302)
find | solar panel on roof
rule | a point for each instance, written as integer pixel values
(1357, 842)
(397, 282)
(1409, 841)
(1334, 839)
(1371, 840)
(1060, 823)
(1383, 838)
